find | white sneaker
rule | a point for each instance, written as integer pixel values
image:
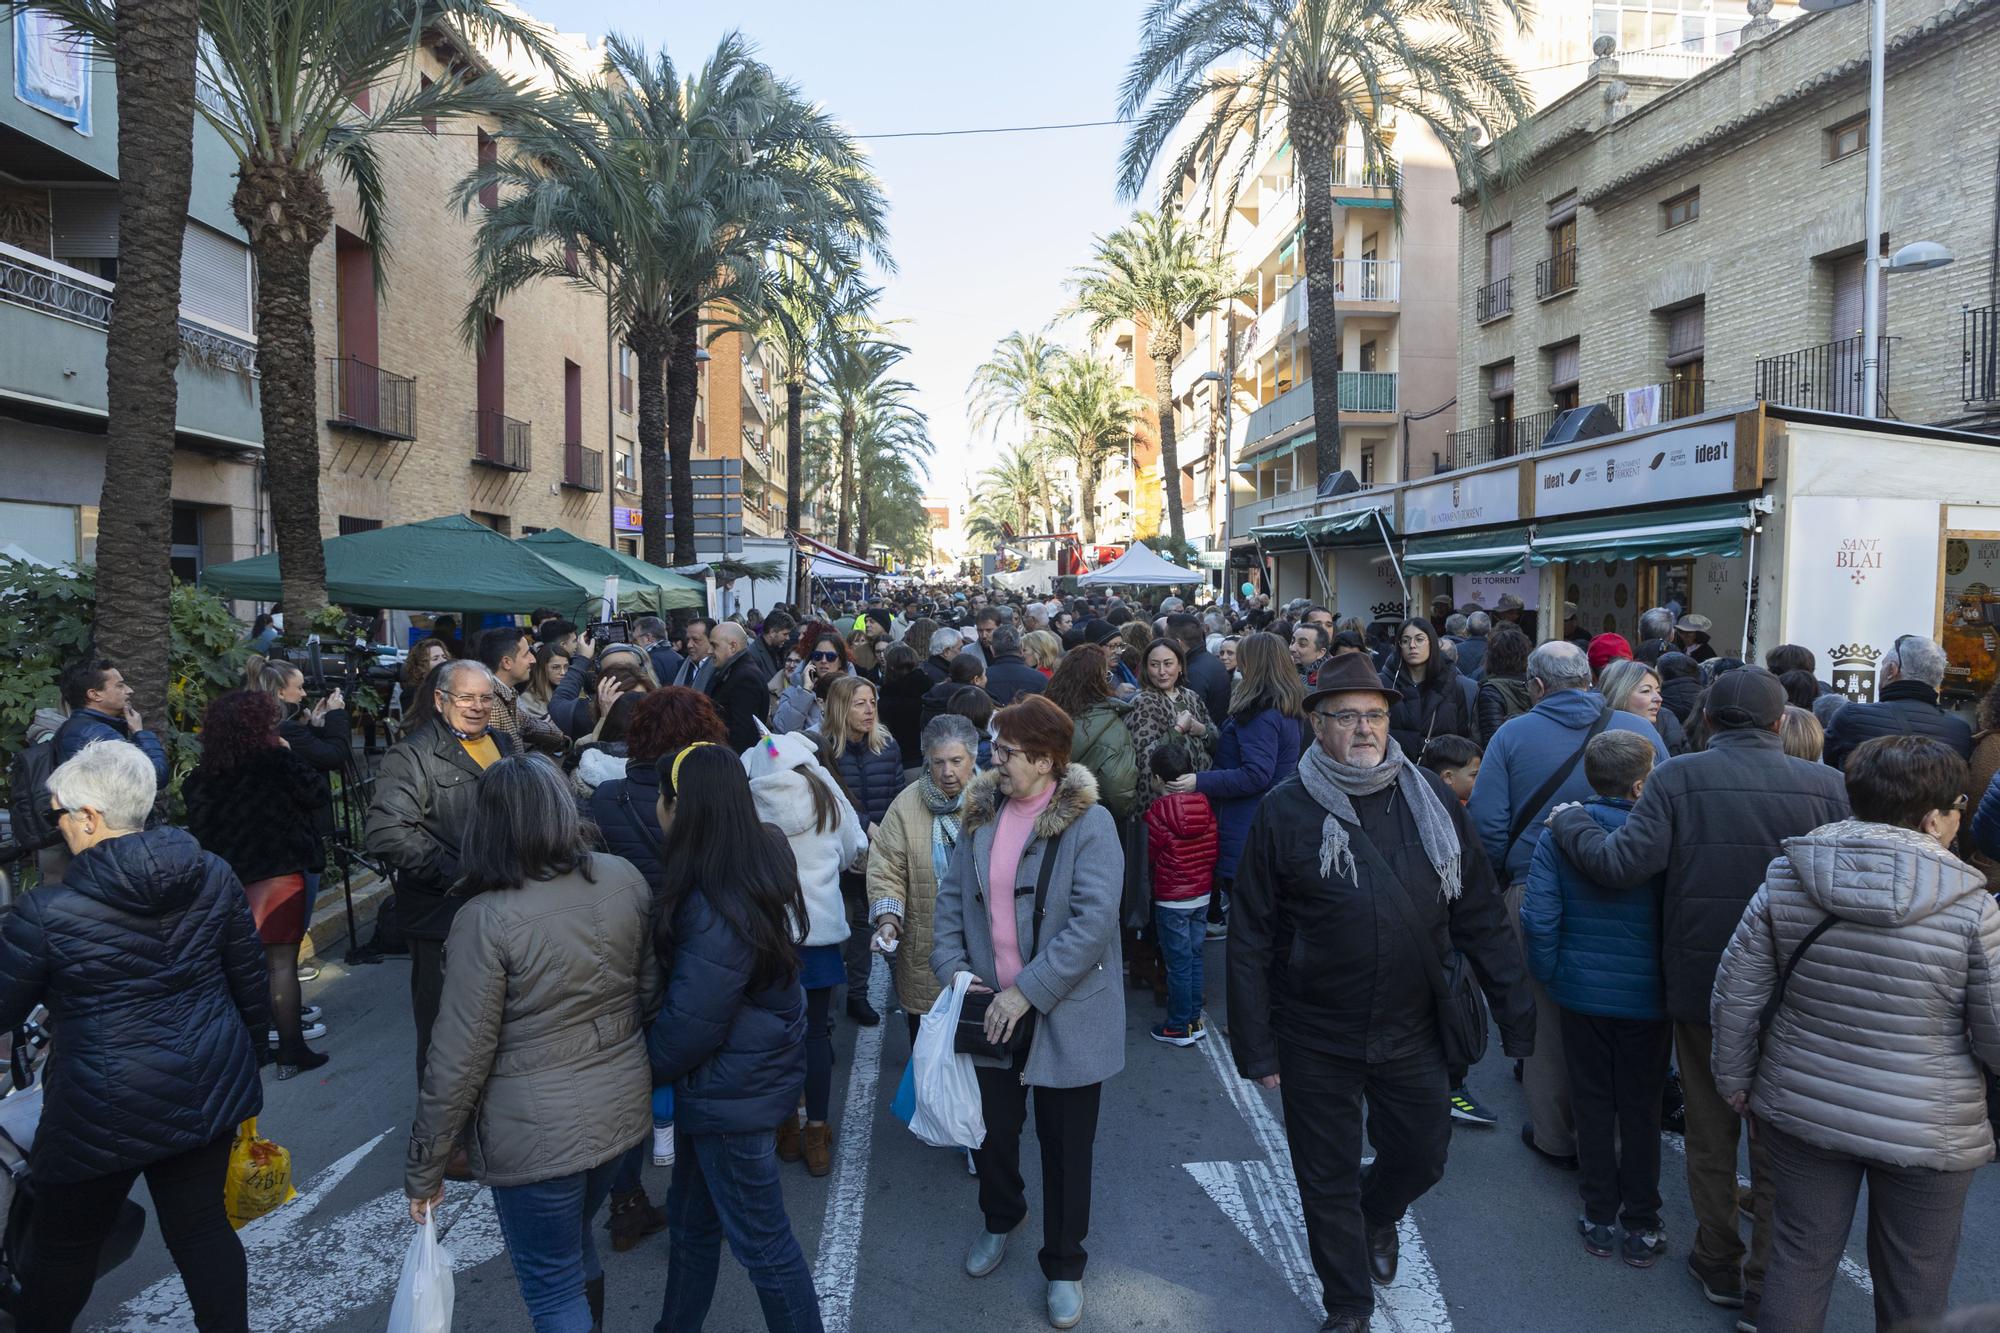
(663, 1145)
(309, 1013)
(307, 1032)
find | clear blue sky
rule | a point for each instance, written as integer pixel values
(984, 227)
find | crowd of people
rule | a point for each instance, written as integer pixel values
(640, 881)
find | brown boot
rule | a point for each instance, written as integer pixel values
(633, 1217)
(819, 1149)
(788, 1138)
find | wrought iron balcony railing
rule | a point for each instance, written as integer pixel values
(502, 442)
(1826, 378)
(1495, 299)
(1556, 274)
(370, 398)
(583, 469)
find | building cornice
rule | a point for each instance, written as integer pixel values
(1824, 83)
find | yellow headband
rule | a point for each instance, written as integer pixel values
(674, 772)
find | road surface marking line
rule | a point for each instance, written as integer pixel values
(1858, 1273)
(837, 1267)
(1262, 1199)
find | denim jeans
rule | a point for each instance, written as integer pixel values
(313, 878)
(547, 1229)
(727, 1185)
(1183, 932)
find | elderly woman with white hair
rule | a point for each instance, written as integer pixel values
(149, 963)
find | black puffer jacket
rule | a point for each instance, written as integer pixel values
(874, 779)
(1008, 677)
(1907, 708)
(1711, 822)
(1500, 699)
(147, 959)
(1441, 706)
(262, 816)
(626, 812)
(902, 708)
(1681, 694)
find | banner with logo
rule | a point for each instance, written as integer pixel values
(1858, 573)
(1485, 590)
(1364, 584)
(1679, 464)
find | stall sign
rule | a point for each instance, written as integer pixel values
(1858, 574)
(1466, 500)
(1680, 464)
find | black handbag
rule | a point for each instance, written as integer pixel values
(1461, 1009)
(969, 1038)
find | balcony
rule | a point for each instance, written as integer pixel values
(1368, 279)
(52, 324)
(1979, 354)
(1826, 378)
(369, 398)
(1367, 390)
(500, 441)
(1556, 275)
(583, 469)
(1247, 514)
(1287, 409)
(1352, 169)
(1683, 396)
(754, 391)
(1495, 300)
(1497, 440)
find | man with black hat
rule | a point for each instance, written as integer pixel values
(1711, 822)
(1346, 1011)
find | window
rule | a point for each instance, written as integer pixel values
(215, 278)
(349, 524)
(1368, 466)
(185, 554)
(1847, 138)
(1686, 391)
(1680, 210)
(627, 364)
(1499, 253)
(46, 532)
(1565, 366)
(1500, 407)
(491, 388)
(628, 476)
(572, 405)
(498, 522)
(489, 156)
(424, 84)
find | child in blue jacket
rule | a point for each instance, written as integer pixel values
(1597, 950)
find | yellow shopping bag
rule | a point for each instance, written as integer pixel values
(260, 1176)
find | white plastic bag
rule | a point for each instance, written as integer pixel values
(424, 1296)
(948, 1113)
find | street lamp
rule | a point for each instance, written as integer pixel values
(1911, 258)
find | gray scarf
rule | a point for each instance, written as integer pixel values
(1332, 783)
(945, 813)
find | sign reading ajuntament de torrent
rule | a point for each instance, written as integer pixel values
(1681, 464)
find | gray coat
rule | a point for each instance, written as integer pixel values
(1073, 979)
(540, 1040)
(1877, 1049)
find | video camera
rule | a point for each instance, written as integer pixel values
(346, 662)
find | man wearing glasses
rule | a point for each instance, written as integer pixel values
(1363, 862)
(423, 799)
(1912, 673)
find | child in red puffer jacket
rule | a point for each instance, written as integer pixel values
(1183, 842)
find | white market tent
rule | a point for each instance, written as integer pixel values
(1140, 566)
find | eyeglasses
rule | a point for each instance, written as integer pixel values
(60, 810)
(826, 657)
(1002, 753)
(471, 700)
(1958, 806)
(1347, 719)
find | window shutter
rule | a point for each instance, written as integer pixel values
(1562, 209)
(1684, 334)
(1565, 364)
(215, 278)
(1500, 380)
(1499, 254)
(85, 223)
(1848, 285)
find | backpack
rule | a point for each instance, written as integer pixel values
(28, 780)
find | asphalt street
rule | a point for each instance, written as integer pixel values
(1194, 1221)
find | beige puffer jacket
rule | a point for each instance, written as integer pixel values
(541, 1030)
(1876, 1051)
(900, 879)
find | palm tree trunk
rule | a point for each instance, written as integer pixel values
(684, 341)
(286, 213)
(1164, 352)
(795, 449)
(1086, 486)
(861, 513)
(649, 348)
(155, 55)
(1314, 139)
(846, 478)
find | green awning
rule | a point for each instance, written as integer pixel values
(441, 564)
(1272, 453)
(1499, 551)
(1353, 528)
(1662, 535)
(1344, 202)
(642, 587)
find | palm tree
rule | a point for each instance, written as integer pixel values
(1015, 483)
(854, 365)
(290, 80)
(1088, 415)
(1004, 387)
(1159, 272)
(889, 440)
(802, 302)
(154, 48)
(674, 193)
(1315, 69)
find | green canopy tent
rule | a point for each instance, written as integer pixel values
(1497, 551)
(442, 564)
(1663, 534)
(641, 587)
